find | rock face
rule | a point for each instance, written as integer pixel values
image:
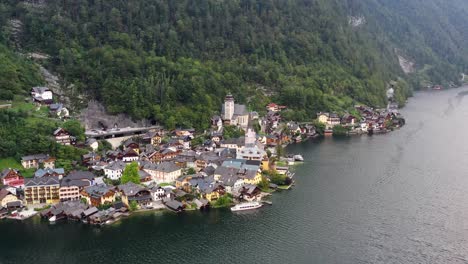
(94, 116)
(406, 65)
(356, 21)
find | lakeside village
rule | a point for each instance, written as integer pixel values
(241, 160)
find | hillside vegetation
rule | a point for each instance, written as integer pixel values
(174, 61)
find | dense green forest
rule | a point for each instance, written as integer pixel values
(17, 75)
(174, 61)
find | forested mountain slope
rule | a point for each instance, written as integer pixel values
(173, 61)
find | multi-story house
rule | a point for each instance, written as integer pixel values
(42, 190)
(34, 161)
(98, 195)
(12, 178)
(114, 170)
(62, 136)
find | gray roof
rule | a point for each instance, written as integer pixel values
(41, 172)
(35, 157)
(3, 193)
(42, 181)
(56, 107)
(175, 205)
(130, 188)
(143, 174)
(6, 171)
(90, 211)
(117, 165)
(150, 166)
(58, 130)
(79, 183)
(80, 175)
(167, 167)
(99, 190)
(40, 89)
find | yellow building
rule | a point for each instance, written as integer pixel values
(256, 179)
(213, 192)
(42, 190)
(323, 117)
(265, 164)
(7, 197)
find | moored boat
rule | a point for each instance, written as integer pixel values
(246, 206)
(298, 158)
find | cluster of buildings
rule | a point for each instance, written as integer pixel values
(173, 173)
(370, 120)
(43, 96)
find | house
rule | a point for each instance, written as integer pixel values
(163, 172)
(62, 137)
(272, 107)
(90, 159)
(130, 155)
(348, 119)
(131, 192)
(217, 123)
(329, 119)
(323, 117)
(92, 143)
(58, 110)
(42, 190)
(145, 178)
(158, 193)
(42, 95)
(250, 192)
(153, 138)
(33, 161)
(70, 190)
(201, 204)
(98, 195)
(48, 172)
(12, 178)
(250, 150)
(89, 212)
(7, 197)
(229, 178)
(114, 170)
(175, 205)
(234, 114)
(233, 143)
(212, 192)
(82, 176)
(131, 144)
(164, 154)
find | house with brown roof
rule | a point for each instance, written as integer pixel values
(62, 136)
(12, 178)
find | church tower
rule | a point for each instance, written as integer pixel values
(228, 107)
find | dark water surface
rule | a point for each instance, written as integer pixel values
(395, 198)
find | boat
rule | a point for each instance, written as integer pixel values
(298, 158)
(246, 206)
(53, 219)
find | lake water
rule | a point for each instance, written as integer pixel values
(395, 198)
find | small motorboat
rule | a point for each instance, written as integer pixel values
(298, 158)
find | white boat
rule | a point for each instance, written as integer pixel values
(53, 219)
(246, 206)
(298, 158)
